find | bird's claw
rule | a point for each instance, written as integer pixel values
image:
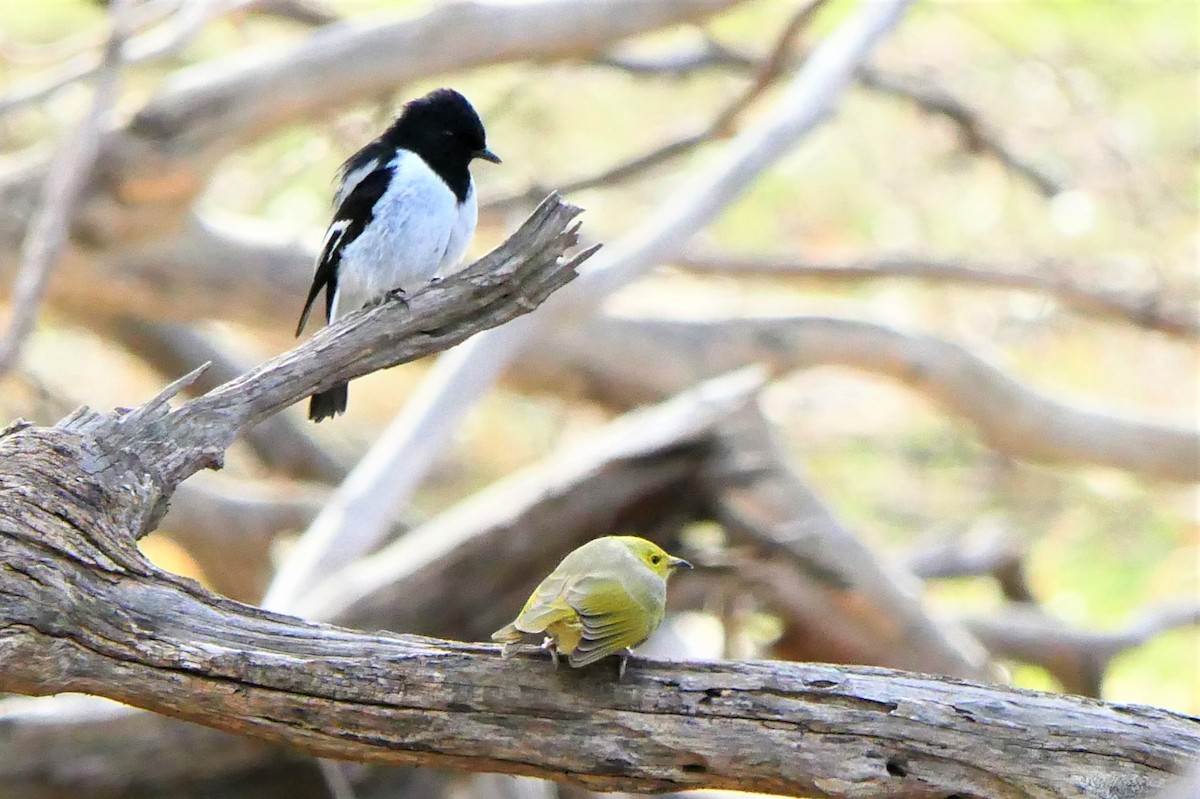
(397, 295)
(624, 661)
(552, 648)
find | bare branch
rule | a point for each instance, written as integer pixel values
(1008, 415)
(1078, 659)
(66, 179)
(386, 478)
(143, 637)
(508, 282)
(722, 126)
(840, 598)
(279, 441)
(1050, 277)
(978, 136)
(990, 552)
(189, 20)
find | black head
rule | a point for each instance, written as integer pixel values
(443, 129)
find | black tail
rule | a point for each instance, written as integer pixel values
(327, 404)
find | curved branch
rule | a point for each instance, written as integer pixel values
(508, 282)
(721, 126)
(1078, 659)
(1008, 415)
(1143, 310)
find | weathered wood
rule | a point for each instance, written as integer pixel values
(85, 613)
(281, 442)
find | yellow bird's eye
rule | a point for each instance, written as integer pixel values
(655, 559)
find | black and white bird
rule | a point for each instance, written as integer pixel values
(405, 211)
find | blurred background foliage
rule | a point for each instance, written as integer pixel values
(1102, 96)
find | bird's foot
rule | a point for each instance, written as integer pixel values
(624, 661)
(552, 648)
(397, 295)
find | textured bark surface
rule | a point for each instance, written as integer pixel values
(85, 612)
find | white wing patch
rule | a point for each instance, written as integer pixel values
(351, 179)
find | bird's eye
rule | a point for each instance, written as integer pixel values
(655, 559)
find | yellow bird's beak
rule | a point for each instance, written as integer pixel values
(678, 563)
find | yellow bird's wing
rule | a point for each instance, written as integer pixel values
(612, 619)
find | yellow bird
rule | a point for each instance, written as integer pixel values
(604, 598)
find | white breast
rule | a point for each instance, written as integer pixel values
(461, 234)
(417, 226)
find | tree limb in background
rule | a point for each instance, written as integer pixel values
(1150, 311)
(1078, 659)
(977, 134)
(154, 166)
(1010, 417)
(66, 179)
(385, 479)
(637, 473)
(281, 442)
(187, 21)
(721, 127)
(850, 605)
(992, 553)
(229, 526)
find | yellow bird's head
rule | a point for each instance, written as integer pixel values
(654, 556)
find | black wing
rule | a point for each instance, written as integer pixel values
(352, 217)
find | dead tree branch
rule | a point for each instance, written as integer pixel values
(279, 441)
(87, 613)
(722, 125)
(592, 355)
(1078, 659)
(1152, 311)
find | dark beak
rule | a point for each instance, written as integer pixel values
(678, 563)
(487, 155)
